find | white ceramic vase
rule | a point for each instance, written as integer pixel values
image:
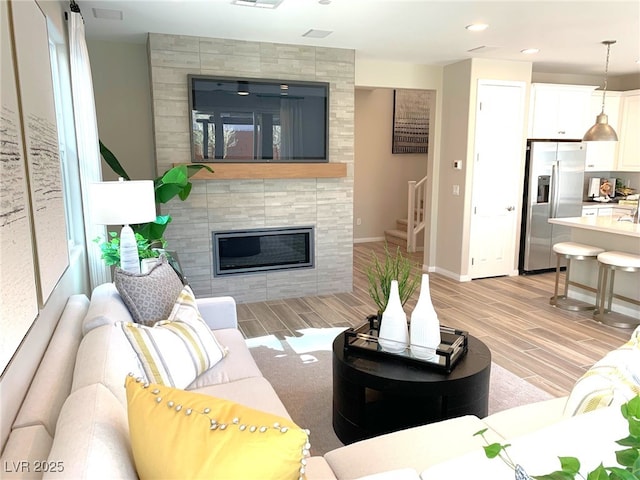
(394, 334)
(425, 326)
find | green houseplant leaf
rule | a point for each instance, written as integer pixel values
(392, 267)
(112, 161)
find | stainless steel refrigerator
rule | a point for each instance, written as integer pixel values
(554, 183)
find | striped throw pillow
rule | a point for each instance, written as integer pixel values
(612, 381)
(175, 351)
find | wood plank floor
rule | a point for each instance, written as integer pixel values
(548, 347)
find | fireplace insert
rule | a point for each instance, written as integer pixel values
(246, 251)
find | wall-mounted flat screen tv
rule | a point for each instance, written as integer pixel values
(256, 120)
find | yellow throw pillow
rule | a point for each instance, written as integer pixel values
(175, 351)
(186, 435)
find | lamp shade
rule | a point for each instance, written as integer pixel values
(122, 202)
(601, 131)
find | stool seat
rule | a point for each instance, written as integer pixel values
(571, 251)
(577, 249)
(620, 259)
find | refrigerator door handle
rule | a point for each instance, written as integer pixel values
(553, 196)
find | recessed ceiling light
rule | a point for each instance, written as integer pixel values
(324, 2)
(530, 51)
(477, 27)
(313, 33)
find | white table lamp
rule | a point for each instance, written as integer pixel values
(124, 203)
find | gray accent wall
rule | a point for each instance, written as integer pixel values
(235, 204)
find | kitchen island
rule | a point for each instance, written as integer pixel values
(608, 233)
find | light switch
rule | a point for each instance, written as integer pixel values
(456, 190)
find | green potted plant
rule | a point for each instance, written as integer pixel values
(392, 267)
(150, 236)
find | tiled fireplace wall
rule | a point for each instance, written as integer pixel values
(235, 204)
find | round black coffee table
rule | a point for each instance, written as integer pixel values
(373, 395)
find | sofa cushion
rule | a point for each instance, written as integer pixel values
(237, 364)
(105, 356)
(611, 381)
(527, 418)
(149, 296)
(416, 448)
(175, 351)
(92, 437)
(55, 373)
(106, 308)
(254, 392)
(590, 437)
(180, 434)
(26, 444)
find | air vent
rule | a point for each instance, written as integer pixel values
(258, 3)
(107, 14)
(313, 33)
(482, 49)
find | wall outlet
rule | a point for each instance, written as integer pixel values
(358, 221)
(456, 190)
(457, 164)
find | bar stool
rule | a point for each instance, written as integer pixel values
(610, 262)
(571, 251)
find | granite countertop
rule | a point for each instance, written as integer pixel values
(602, 224)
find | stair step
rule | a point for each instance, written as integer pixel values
(396, 233)
(402, 221)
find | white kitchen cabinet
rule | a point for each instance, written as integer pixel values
(589, 211)
(629, 149)
(559, 111)
(605, 211)
(602, 156)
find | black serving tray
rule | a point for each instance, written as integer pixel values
(453, 346)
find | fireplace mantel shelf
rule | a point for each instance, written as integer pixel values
(230, 171)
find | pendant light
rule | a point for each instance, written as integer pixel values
(602, 131)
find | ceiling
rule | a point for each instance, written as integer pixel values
(568, 33)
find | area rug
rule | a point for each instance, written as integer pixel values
(299, 368)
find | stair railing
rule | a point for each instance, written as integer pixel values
(416, 211)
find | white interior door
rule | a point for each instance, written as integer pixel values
(497, 178)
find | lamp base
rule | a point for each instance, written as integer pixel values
(129, 259)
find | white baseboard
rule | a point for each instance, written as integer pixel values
(452, 275)
(368, 240)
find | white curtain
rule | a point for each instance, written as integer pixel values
(84, 113)
(291, 126)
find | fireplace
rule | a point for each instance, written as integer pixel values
(257, 250)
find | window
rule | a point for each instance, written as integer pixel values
(66, 145)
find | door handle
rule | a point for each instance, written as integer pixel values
(510, 208)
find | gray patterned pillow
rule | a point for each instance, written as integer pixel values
(149, 296)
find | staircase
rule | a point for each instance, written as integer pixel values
(407, 234)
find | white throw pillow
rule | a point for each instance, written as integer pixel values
(612, 381)
(175, 351)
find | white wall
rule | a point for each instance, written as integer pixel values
(123, 106)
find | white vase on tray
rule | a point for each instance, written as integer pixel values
(425, 326)
(393, 336)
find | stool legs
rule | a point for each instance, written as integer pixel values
(563, 301)
(603, 313)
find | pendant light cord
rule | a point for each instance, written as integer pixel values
(606, 72)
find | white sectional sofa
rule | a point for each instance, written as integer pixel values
(73, 422)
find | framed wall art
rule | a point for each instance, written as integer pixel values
(33, 65)
(18, 294)
(411, 114)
